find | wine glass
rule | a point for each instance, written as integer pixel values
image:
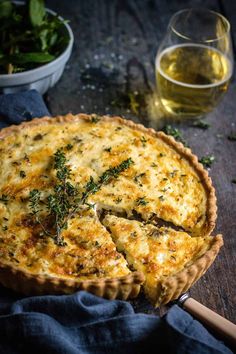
(194, 63)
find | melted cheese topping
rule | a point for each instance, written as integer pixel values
(157, 252)
(160, 182)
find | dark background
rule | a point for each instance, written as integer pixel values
(111, 71)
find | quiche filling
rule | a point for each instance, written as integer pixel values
(59, 174)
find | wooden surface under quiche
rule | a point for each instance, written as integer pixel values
(125, 285)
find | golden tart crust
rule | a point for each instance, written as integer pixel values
(165, 182)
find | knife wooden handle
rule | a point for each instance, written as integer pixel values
(225, 329)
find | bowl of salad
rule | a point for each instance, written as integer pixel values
(35, 45)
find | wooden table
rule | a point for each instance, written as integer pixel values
(111, 71)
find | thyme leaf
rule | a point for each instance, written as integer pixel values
(22, 174)
(95, 118)
(4, 199)
(207, 161)
(69, 147)
(232, 136)
(201, 124)
(143, 140)
(141, 201)
(138, 177)
(34, 198)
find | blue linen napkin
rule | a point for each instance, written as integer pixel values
(84, 323)
(18, 107)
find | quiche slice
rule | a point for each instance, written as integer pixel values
(170, 260)
(57, 177)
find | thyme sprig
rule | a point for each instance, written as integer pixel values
(34, 200)
(113, 172)
(66, 198)
(176, 133)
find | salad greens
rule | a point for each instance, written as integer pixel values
(29, 36)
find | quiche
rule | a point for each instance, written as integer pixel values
(105, 205)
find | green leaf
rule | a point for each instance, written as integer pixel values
(24, 58)
(36, 12)
(53, 39)
(207, 161)
(201, 124)
(176, 133)
(43, 38)
(5, 8)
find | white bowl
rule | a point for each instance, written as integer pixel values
(41, 78)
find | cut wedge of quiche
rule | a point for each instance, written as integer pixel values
(60, 176)
(169, 259)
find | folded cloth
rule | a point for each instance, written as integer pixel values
(18, 107)
(84, 323)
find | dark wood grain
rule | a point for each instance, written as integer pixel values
(114, 53)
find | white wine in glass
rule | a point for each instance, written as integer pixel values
(194, 63)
